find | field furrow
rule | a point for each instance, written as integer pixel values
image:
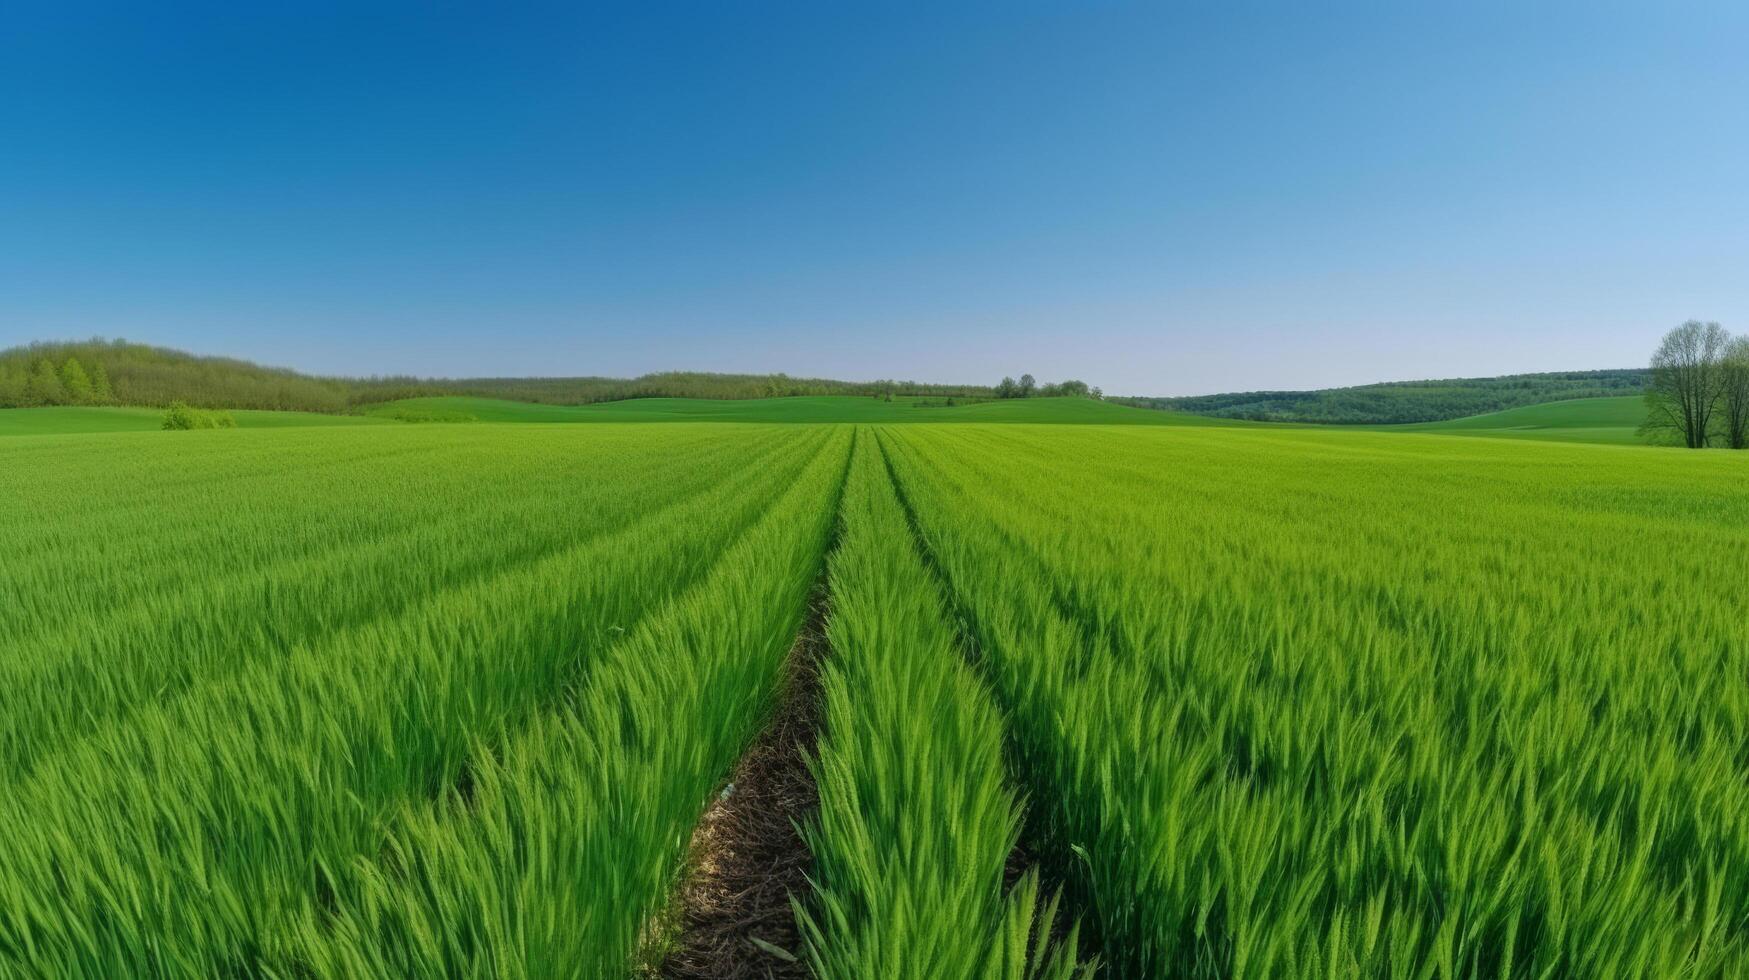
(560, 857)
(1139, 701)
(330, 742)
(917, 821)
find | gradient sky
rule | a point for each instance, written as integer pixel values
(1158, 199)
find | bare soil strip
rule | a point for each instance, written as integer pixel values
(734, 916)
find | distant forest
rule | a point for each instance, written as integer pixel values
(115, 372)
(1406, 401)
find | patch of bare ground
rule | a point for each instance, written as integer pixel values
(1022, 860)
(733, 917)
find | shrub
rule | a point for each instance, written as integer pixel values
(180, 416)
(427, 415)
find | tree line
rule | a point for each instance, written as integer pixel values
(1699, 388)
(666, 384)
(1028, 387)
(1406, 401)
(44, 382)
(116, 372)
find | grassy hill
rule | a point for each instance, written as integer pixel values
(1600, 420)
(822, 408)
(117, 373)
(1605, 420)
(68, 419)
(86, 382)
(1408, 401)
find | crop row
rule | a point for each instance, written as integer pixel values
(449, 701)
(64, 678)
(1295, 704)
(126, 524)
(917, 818)
(201, 829)
(559, 857)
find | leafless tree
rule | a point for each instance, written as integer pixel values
(1734, 394)
(1686, 376)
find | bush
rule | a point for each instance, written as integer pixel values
(180, 416)
(426, 415)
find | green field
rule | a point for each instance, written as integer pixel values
(1607, 420)
(1603, 420)
(821, 408)
(1142, 700)
(67, 420)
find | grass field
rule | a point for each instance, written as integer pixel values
(67, 420)
(1322, 704)
(1143, 700)
(1603, 420)
(824, 408)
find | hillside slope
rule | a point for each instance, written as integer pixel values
(1408, 401)
(1604, 420)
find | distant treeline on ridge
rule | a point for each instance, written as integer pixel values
(665, 384)
(115, 372)
(1406, 401)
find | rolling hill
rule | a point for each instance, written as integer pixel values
(1395, 402)
(119, 373)
(821, 408)
(1604, 420)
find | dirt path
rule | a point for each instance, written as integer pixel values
(735, 919)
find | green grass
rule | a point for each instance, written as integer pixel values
(431, 595)
(1602, 420)
(568, 841)
(1294, 704)
(917, 820)
(448, 700)
(813, 409)
(69, 420)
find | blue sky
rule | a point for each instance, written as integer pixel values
(1158, 198)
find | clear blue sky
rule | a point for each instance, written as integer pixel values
(1155, 198)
